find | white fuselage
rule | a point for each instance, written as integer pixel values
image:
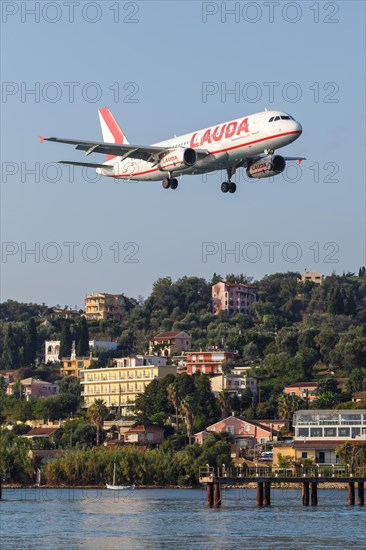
(228, 144)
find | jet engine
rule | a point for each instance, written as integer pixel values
(264, 168)
(177, 159)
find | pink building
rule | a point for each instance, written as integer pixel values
(304, 390)
(31, 387)
(232, 297)
(246, 433)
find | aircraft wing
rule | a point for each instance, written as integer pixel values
(150, 153)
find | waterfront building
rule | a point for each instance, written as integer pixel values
(149, 434)
(119, 384)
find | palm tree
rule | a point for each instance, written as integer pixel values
(224, 403)
(96, 414)
(287, 405)
(174, 399)
(187, 406)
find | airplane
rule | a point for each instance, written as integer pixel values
(249, 142)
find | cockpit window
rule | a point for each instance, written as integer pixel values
(285, 117)
(277, 118)
(271, 119)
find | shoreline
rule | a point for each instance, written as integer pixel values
(249, 485)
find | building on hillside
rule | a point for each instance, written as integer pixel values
(233, 383)
(151, 434)
(207, 362)
(304, 390)
(120, 384)
(312, 277)
(246, 433)
(31, 387)
(358, 396)
(43, 433)
(58, 312)
(74, 366)
(102, 306)
(165, 342)
(232, 297)
(319, 433)
(52, 348)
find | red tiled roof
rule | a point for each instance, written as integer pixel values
(40, 432)
(303, 385)
(141, 428)
(166, 335)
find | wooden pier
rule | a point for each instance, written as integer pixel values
(216, 478)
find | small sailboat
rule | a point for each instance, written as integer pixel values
(118, 487)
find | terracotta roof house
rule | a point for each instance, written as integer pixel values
(305, 390)
(164, 342)
(144, 434)
(40, 432)
(246, 433)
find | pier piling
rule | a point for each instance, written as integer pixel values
(305, 493)
(351, 492)
(360, 493)
(260, 493)
(210, 494)
(267, 493)
(216, 494)
(314, 493)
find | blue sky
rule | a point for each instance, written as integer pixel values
(159, 57)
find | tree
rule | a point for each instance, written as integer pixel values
(66, 341)
(187, 407)
(352, 455)
(173, 396)
(9, 356)
(96, 414)
(287, 405)
(82, 346)
(224, 403)
(335, 304)
(30, 342)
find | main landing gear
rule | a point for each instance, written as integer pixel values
(229, 186)
(170, 182)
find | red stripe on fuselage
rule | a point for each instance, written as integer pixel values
(215, 152)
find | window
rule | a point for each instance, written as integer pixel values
(343, 432)
(271, 119)
(304, 454)
(304, 432)
(230, 429)
(316, 432)
(330, 432)
(277, 118)
(355, 432)
(285, 118)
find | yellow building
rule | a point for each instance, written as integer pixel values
(119, 385)
(74, 365)
(103, 306)
(312, 277)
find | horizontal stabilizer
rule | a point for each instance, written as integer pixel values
(88, 164)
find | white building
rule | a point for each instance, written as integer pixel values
(233, 383)
(330, 425)
(52, 348)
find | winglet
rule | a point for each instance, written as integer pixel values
(41, 139)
